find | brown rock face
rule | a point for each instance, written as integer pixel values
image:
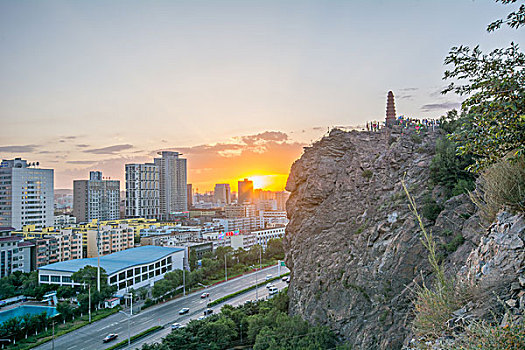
(353, 247)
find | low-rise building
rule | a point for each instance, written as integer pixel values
(243, 241)
(133, 268)
(55, 247)
(263, 236)
(15, 254)
(64, 220)
(108, 239)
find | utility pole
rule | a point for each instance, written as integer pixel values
(183, 277)
(225, 269)
(53, 338)
(89, 294)
(98, 255)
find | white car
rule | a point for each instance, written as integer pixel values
(273, 291)
(269, 285)
(268, 277)
(285, 279)
(176, 326)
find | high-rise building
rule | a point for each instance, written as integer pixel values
(173, 183)
(222, 194)
(96, 198)
(245, 189)
(142, 191)
(26, 194)
(281, 198)
(189, 193)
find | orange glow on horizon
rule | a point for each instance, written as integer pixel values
(274, 182)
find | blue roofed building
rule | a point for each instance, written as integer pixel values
(130, 268)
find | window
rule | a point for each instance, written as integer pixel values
(130, 273)
(137, 279)
(113, 279)
(137, 271)
(157, 265)
(144, 268)
(66, 279)
(121, 276)
(55, 279)
(44, 278)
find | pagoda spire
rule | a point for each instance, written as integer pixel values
(390, 109)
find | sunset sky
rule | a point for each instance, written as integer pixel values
(239, 87)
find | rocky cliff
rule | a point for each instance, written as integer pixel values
(352, 245)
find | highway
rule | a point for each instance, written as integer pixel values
(90, 337)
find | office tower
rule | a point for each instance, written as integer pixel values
(390, 109)
(222, 194)
(96, 198)
(245, 189)
(189, 193)
(142, 191)
(26, 194)
(173, 184)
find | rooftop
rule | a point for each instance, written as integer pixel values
(116, 262)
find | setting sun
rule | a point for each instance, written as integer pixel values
(267, 182)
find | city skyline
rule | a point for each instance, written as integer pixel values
(238, 88)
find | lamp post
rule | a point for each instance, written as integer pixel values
(183, 276)
(129, 332)
(225, 266)
(130, 296)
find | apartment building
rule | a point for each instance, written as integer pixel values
(96, 198)
(172, 183)
(55, 247)
(142, 191)
(109, 238)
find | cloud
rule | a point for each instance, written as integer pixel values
(110, 149)
(81, 162)
(19, 149)
(82, 145)
(318, 128)
(265, 136)
(440, 106)
(409, 89)
(405, 97)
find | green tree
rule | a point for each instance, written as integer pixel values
(493, 113)
(274, 249)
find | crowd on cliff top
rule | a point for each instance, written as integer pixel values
(405, 123)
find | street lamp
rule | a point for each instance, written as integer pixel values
(225, 266)
(129, 332)
(130, 296)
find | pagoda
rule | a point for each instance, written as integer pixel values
(390, 110)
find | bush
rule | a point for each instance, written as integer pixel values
(416, 138)
(480, 335)
(448, 169)
(453, 245)
(367, 174)
(431, 209)
(501, 186)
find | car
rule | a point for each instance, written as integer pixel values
(269, 285)
(273, 291)
(205, 295)
(286, 279)
(184, 310)
(201, 318)
(208, 312)
(110, 337)
(176, 326)
(268, 277)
